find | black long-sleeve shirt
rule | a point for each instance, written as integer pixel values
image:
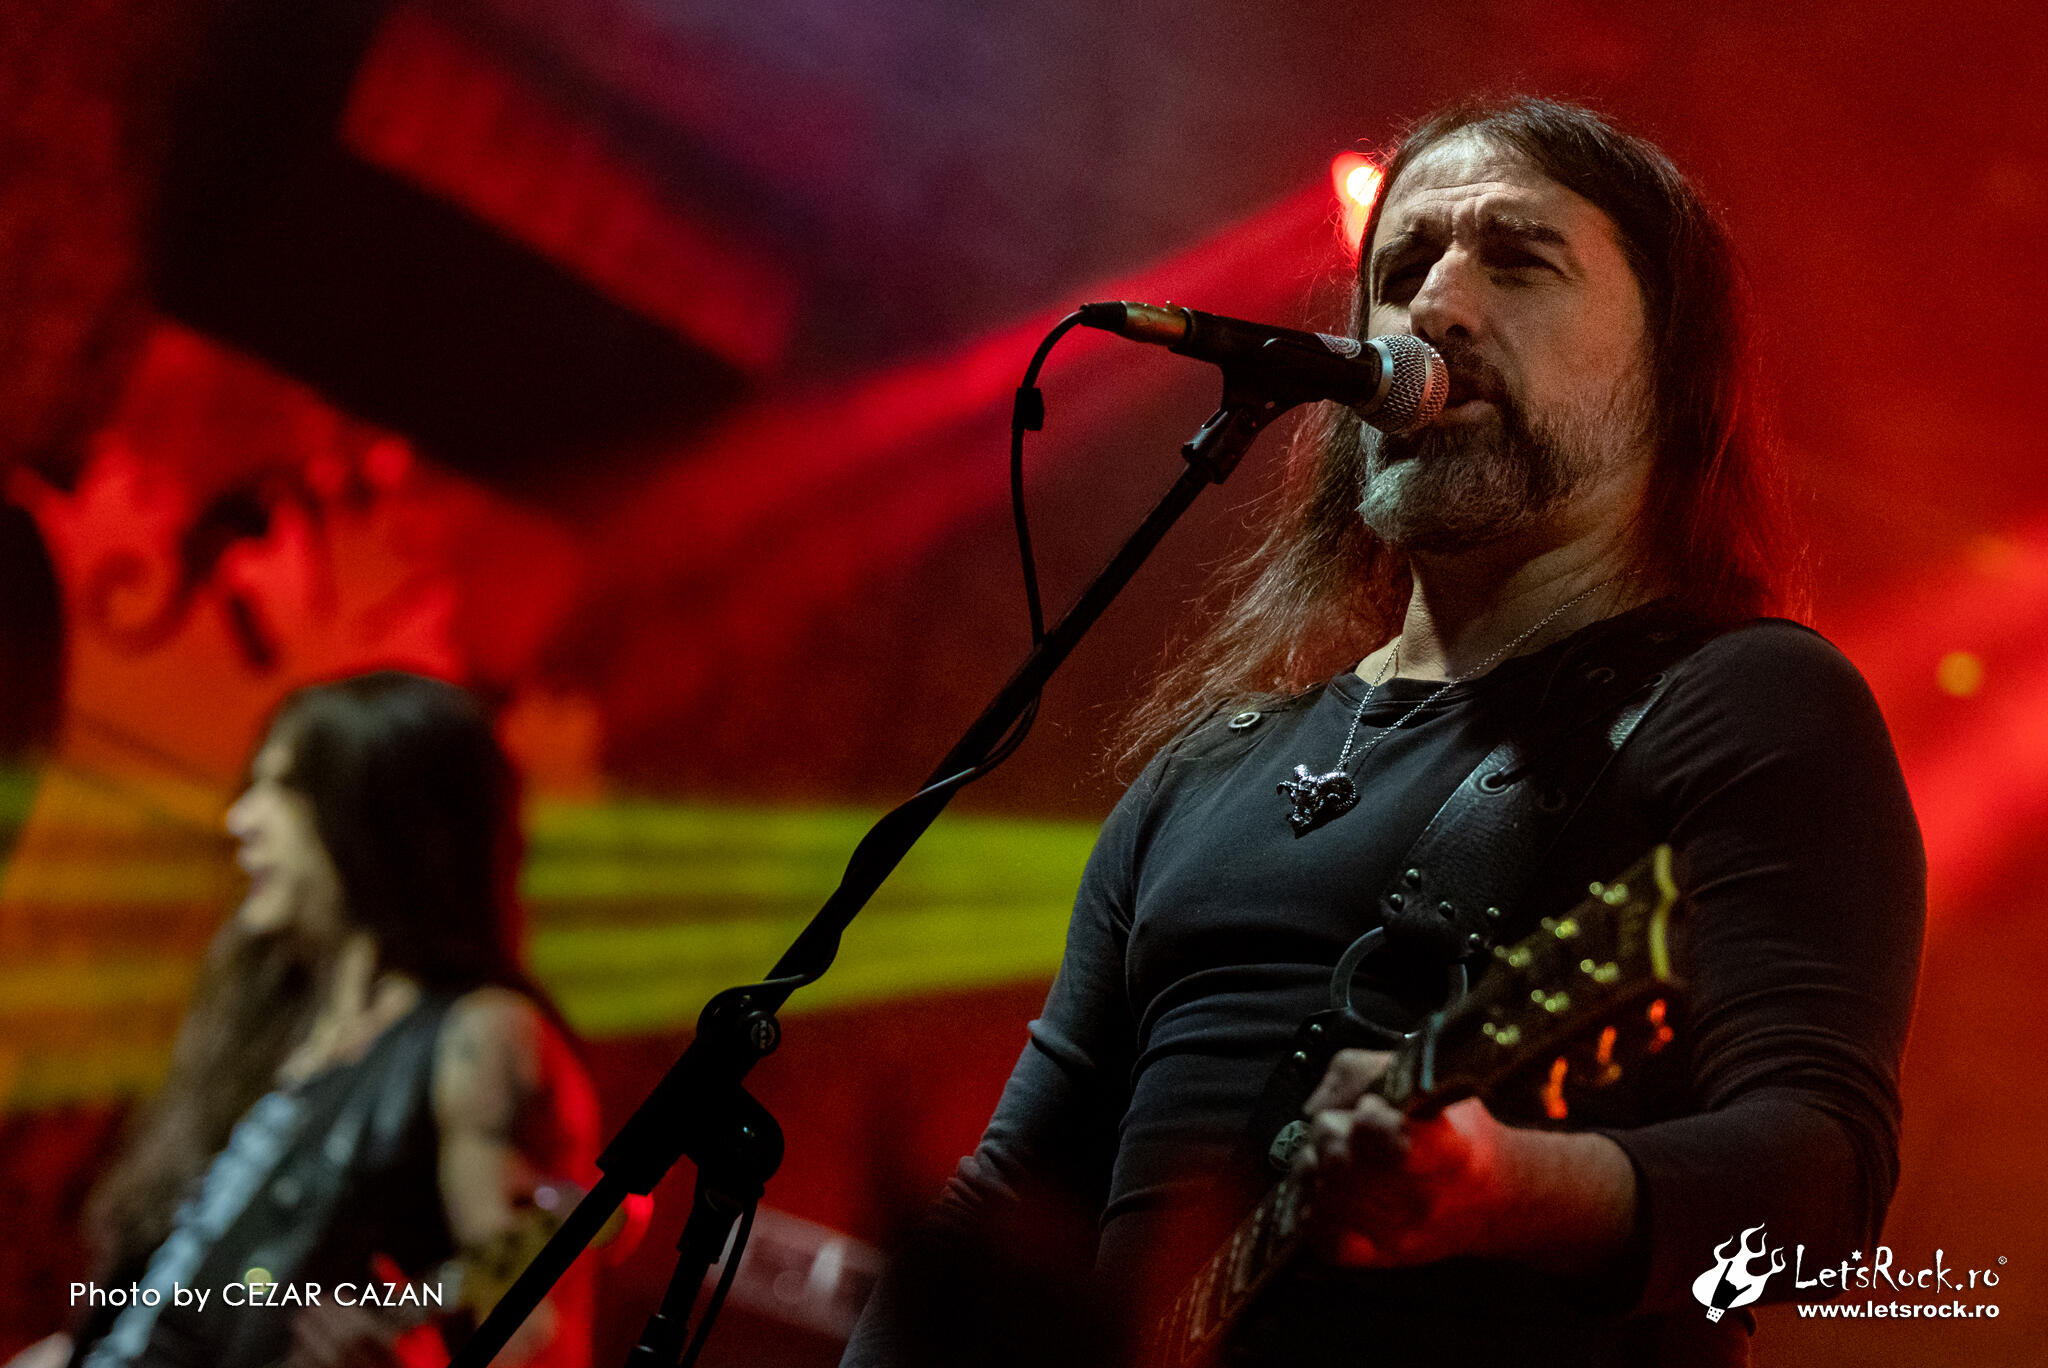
(1205, 931)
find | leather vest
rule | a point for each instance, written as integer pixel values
(360, 1177)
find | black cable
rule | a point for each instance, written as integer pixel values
(1027, 414)
(717, 1302)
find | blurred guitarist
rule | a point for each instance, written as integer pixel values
(1578, 558)
(367, 1083)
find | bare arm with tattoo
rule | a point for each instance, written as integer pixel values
(515, 1110)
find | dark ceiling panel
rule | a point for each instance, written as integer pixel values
(397, 304)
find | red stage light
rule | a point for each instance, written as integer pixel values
(1357, 179)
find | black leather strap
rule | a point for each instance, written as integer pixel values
(1477, 857)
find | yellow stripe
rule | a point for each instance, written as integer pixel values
(646, 979)
(64, 1078)
(126, 985)
(640, 911)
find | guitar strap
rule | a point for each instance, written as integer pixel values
(1462, 880)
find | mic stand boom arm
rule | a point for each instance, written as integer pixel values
(699, 1108)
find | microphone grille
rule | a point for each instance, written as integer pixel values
(1420, 384)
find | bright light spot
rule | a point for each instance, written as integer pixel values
(1357, 182)
(1960, 673)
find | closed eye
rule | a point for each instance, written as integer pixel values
(1401, 283)
(1505, 258)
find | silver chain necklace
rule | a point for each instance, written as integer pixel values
(1318, 798)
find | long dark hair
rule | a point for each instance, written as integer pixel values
(418, 809)
(1321, 590)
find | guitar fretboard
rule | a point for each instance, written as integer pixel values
(1264, 1243)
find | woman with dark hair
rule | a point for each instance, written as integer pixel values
(367, 1082)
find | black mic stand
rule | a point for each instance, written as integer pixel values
(699, 1108)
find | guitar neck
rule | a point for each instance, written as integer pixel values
(1265, 1242)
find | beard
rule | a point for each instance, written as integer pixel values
(1444, 490)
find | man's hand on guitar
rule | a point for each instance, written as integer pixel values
(1398, 1190)
(1394, 1190)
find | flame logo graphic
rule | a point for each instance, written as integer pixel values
(1730, 1283)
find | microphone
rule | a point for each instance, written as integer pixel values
(1394, 382)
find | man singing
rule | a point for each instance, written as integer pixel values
(1578, 556)
(367, 1085)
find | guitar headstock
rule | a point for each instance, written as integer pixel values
(1572, 1006)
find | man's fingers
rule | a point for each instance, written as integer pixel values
(1351, 1072)
(1377, 1134)
(1329, 1140)
(1369, 1134)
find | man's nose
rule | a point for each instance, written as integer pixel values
(1448, 302)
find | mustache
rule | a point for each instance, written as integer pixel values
(1472, 375)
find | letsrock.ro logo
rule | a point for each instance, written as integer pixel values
(1732, 1282)
(1735, 1279)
